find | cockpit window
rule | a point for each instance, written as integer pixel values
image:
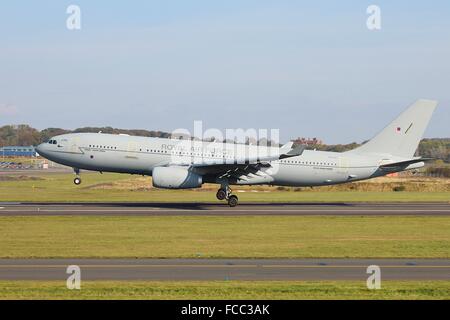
(52, 142)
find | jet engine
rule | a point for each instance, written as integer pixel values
(175, 178)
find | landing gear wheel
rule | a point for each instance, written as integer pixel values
(233, 201)
(221, 194)
(77, 181)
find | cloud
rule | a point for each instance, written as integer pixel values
(8, 110)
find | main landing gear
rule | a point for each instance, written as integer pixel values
(225, 193)
(221, 194)
(77, 179)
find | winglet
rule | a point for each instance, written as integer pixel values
(286, 147)
(294, 152)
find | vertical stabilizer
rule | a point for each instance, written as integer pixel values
(402, 136)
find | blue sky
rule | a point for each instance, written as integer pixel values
(311, 69)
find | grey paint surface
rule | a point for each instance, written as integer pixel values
(225, 269)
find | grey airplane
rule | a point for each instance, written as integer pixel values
(183, 164)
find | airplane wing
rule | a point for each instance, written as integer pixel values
(238, 167)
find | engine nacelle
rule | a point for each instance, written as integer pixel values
(175, 178)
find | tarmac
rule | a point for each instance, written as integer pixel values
(225, 269)
(222, 209)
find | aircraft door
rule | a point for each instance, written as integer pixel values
(132, 147)
(74, 145)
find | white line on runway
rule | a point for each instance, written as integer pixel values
(6, 266)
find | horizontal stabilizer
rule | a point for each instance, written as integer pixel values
(404, 163)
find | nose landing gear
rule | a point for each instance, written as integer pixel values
(225, 193)
(77, 180)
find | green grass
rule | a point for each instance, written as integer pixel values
(60, 188)
(225, 290)
(23, 160)
(225, 237)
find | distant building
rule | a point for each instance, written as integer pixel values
(17, 151)
(307, 141)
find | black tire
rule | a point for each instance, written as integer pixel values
(233, 201)
(77, 181)
(221, 194)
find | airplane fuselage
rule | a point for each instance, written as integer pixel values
(140, 155)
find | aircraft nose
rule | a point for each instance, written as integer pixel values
(40, 149)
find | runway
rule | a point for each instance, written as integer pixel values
(221, 209)
(224, 269)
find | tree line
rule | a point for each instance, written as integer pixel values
(24, 135)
